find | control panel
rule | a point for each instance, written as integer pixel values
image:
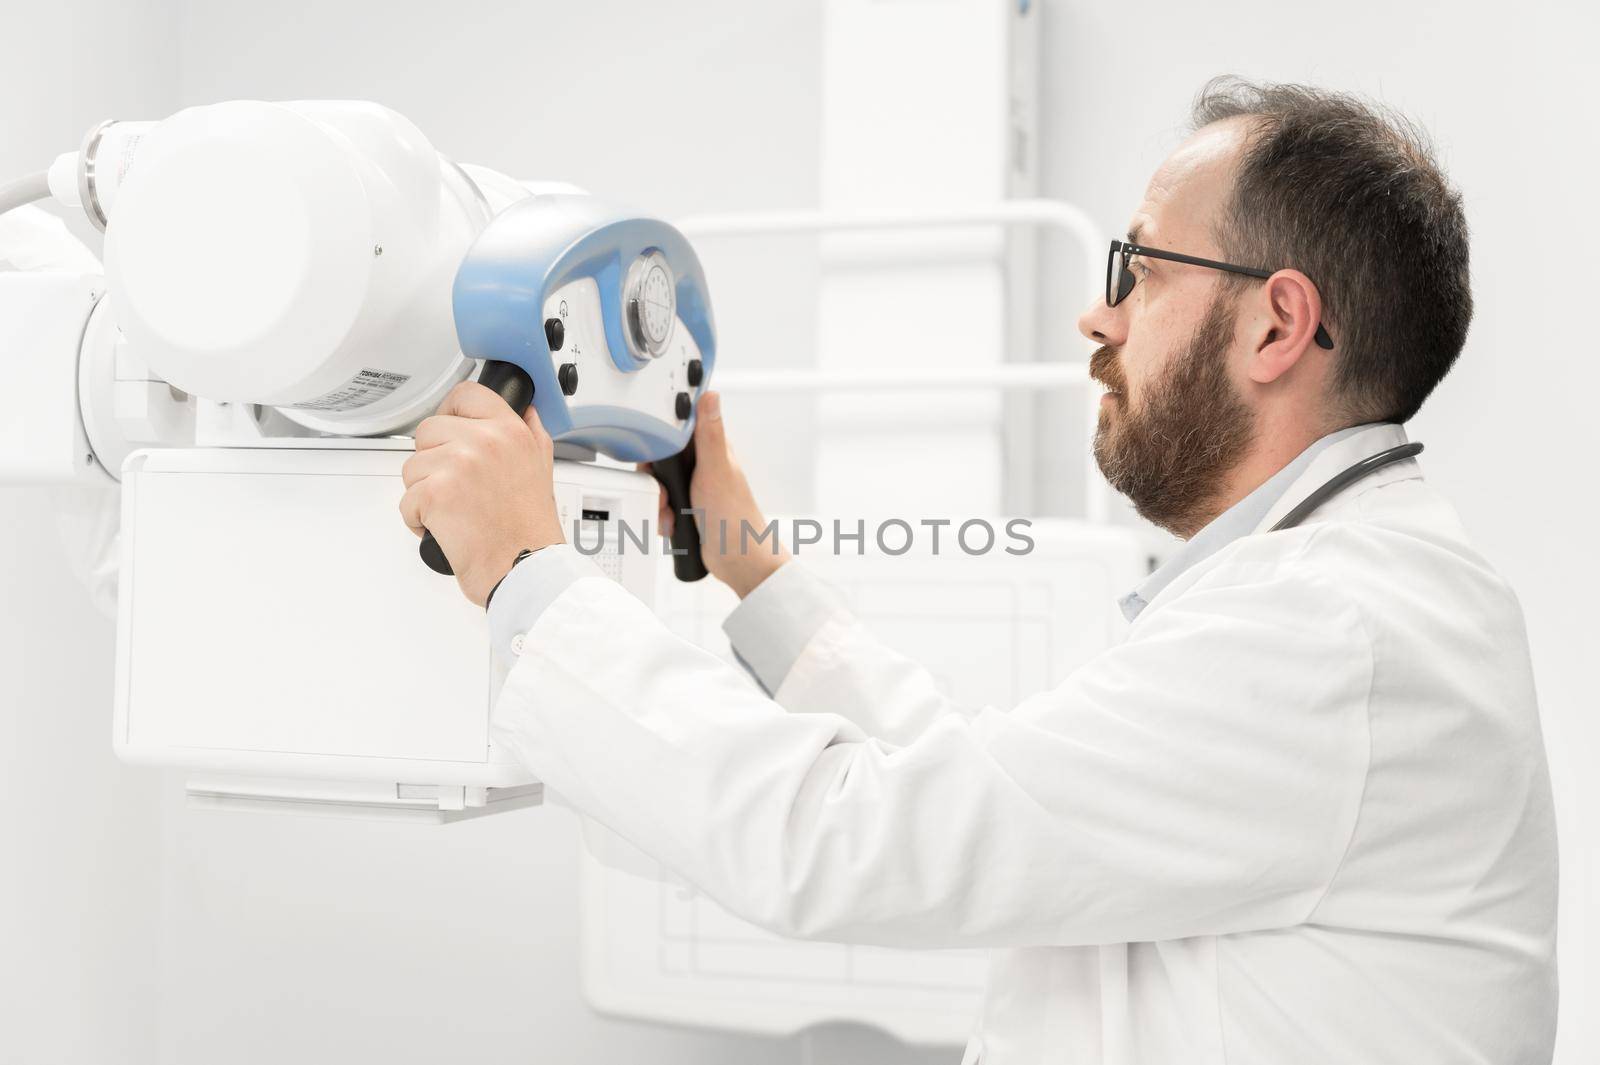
(663, 389)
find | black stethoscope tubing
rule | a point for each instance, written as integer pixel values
(1365, 468)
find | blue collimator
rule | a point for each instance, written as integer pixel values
(537, 246)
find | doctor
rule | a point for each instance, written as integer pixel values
(1301, 814)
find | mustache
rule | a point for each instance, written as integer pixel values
(1106, 367)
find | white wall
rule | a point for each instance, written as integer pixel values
(1508, 92)
(79, 880)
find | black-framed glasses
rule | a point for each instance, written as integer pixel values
(1120, 280)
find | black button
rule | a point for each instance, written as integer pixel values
(696, 373)
(685, 406)
(567, 378)
(555, 332)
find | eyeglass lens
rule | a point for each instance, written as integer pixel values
(1119, 279)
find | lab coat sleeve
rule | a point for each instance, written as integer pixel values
(1201, 778)
(528, 590)
(797, 637)
(771, 627)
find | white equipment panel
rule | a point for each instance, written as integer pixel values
(995, 628)
(42, 318)
(276, 625)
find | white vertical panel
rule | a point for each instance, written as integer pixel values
(916, 112)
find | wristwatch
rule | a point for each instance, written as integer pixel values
(524, 553)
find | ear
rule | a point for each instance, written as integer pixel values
(1290, 313)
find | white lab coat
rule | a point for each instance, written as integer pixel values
(1301, 814)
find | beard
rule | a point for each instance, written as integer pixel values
(1171, 456)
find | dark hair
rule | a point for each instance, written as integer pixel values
(1348, 192)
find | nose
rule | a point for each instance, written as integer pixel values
(1103, 325)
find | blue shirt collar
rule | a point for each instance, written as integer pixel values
(1239, 520)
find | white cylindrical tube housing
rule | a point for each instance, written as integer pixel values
(299, 256)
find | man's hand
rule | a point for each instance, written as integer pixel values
(720, 490)
(482, 481)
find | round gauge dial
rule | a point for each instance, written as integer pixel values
(651, 300)
(656, 305)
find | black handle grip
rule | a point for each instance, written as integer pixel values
(675, 473)
(512, 384)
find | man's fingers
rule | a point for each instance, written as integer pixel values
(471, 400)
(423, 463)
(710, 442)
(412, 505)
(439, 429)
(531, 419)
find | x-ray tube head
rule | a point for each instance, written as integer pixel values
(298, 256)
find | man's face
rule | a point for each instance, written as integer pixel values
(1173, 423)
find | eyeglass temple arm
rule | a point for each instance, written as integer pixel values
(1322, 339)
(1193, 260)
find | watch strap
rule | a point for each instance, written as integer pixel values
(524, 553)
